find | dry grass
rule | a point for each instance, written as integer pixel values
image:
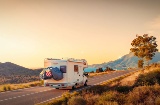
(123, 92)
(101, 73)
(8, 87)
(130, 80)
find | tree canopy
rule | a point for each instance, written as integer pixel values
(144, 47)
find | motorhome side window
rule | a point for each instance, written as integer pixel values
(75, 68)
(63, 69)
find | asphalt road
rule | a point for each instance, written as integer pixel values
(40, 94)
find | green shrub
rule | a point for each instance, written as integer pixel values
(123, 89)
(121, 99)
(78, 100)
(138, 95)
(150, 78)
(91, 100)
(108, 96)
(111, 98)
(143, 94)
(98, 89)
(99, 70)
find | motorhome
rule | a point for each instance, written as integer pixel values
(64, 73)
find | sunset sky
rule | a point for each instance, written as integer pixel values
(96, 30)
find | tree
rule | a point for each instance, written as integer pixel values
(144, 47)
(108, 69)
(140, 63)
(99, 70)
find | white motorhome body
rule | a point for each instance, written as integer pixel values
(71, 72)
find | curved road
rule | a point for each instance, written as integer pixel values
(40, 94)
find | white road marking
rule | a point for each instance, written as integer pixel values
(24, 95)
(47, 100)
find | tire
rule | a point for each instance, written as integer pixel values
(73, 87)
(85, 83)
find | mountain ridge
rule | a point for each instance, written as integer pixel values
(13, 73)
(126, 61)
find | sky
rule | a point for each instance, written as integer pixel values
(96, 30)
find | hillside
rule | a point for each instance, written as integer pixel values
(139, 88)
(13, 73)
(126, 61)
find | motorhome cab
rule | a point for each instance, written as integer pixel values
(63, 73)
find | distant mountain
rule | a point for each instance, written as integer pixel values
(127, 61)
(13, 73)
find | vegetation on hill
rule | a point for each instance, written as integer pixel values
(106, 70)
(11, 73)
(144, 91)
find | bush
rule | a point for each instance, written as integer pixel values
(78, 100)
(157, 101)
(55, 102)
(99, 70)
(32, 85)
(4, 88)
(150, 78)
(64, 99)
(107, 103)
(143, 94)
(92, 72)
(98, 89)
(123, 89)
(111, 97)
(92, 99)
(42, 82)
(9, 87)
(108, 69)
